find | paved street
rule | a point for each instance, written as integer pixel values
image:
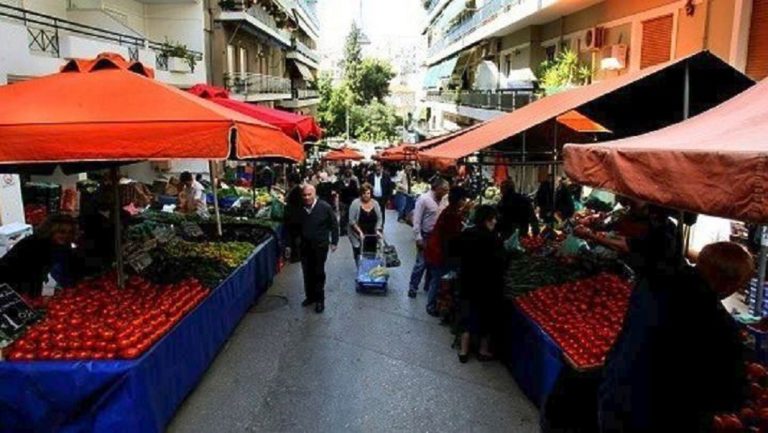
(368, 364)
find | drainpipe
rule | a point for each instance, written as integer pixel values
(708, 14)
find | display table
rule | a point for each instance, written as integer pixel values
(138, 395)
(531, 355)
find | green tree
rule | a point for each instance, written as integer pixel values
(566, 70)
(375, 75)
(331, 111)
(375, 122)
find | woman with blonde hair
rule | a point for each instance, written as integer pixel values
(365, 222)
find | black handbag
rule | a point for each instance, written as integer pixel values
(391, 260)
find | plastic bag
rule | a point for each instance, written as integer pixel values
(512, 244)
(573, 246)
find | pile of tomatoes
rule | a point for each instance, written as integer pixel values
(97, 320)
(532, 243)
(583, 317)
(754, 416)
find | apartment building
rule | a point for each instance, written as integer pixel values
(38, 36)
(265, 51)
(483, 54)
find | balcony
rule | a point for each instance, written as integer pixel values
(258, 19)
(253, 87)
(39, 43)
(310, 12)
(301, 98)
(496, 100)
(482, 16)
(304, 54)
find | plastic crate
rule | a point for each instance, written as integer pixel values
(367, 284)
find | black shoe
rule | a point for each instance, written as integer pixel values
(307, 302)
(433, 313)
(320, 307)
(411, 293)
(463, 358)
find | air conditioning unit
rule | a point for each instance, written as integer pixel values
(614, 57)
(593, 39)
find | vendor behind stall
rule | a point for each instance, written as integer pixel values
(192, 199)
(49, 251)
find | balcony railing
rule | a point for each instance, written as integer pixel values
(310, 12)
(309, 53)
(501, 100)
(305, 94)
(248, 83)
(262, 16)
(45, 33)
(488, 12)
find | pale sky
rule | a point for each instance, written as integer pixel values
(384, 21)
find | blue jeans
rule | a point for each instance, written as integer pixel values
(436, 277)
(400, 204)
(420, 267)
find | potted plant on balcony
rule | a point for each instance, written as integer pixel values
(180, 58)
(564, 72)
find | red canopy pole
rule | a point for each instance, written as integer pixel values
(118, 227)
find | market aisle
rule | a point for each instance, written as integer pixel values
(368, 364)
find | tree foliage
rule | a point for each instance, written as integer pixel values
(364, 86)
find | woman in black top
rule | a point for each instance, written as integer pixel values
(480, 276)
(365, 221)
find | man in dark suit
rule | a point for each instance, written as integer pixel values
(383, 188)
(319, 233)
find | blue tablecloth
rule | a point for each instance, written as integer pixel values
(531, 355)
(134, 396)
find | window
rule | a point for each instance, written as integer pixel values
(550, 52)
(230, 59)
(657, 41)
(243, 60)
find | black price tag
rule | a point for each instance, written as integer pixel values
(15, 315)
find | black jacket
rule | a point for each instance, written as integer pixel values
(387, 186)
(319, 227)
(26, 266)
(516, 213)
(293, 206)
(482, 266)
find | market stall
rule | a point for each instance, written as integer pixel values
(343, 154)
(83, 358)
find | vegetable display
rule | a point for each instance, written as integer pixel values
(526, 273)
(96, 320)
(753, 417)
(583, 317)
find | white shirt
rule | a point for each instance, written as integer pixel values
(309, 209)
(196, 194)
(709, 230)
(377, 192)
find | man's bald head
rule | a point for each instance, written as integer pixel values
(309, 194)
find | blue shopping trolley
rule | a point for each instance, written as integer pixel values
(372, 274)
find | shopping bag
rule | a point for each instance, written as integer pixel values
(391, 259)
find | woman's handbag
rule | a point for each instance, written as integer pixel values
(391, 260)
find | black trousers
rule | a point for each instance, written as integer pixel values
(313, 259)
(383, 201)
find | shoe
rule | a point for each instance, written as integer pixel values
(307, 302)
(411, 293)
(432, 312)
(485, 358)
(320, 307)
(463, 358)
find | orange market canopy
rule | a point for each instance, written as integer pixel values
(715, 163)
(301, 128)
(108, 109)
(628, 105)
(343, 154)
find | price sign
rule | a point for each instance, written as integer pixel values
(15, 315)
(140, 262)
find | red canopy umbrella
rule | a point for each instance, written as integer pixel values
(343, 154)
(110, 110)
(301, 128)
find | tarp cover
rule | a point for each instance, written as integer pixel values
(631, 104)
(301, 128)
(132, 396)
(110, 110)
(715, 163)
(343, 154)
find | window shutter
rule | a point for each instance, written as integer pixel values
(657, 41)
(757, 54)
